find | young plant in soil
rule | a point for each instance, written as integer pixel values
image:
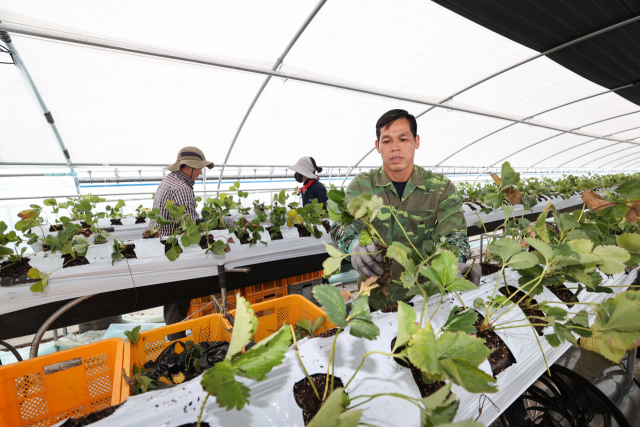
(157, 221)
(249, 231)
(141, 214)
(121, 251)
(307, 328)
(215, 211)
(16, 263)
(311, 215)
(220, 381)
(329, 412)
(241, 195)
(278, 215)
(115, 212)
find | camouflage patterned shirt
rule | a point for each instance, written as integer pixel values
(430, 208)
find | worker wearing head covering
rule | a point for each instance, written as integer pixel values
(305, 173)
(177, 186)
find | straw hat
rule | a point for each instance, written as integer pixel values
(190, 156)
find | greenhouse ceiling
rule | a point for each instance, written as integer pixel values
(263, 83)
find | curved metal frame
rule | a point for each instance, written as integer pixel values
(275, 67)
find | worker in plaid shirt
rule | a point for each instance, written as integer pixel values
(177, 186)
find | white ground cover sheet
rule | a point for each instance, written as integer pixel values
(272, 402)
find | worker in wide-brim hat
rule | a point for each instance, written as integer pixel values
(306, 172)
(177, 186)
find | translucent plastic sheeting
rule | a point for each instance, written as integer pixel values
(592, 154)
(444, 132)
(24, 133)
(241, 29)
(550, 147)
(531, 89)
(589, 111)
(414, 46)
(618, 124)
(501, 144)
(292, 119)
(271, 400)
(114, 107)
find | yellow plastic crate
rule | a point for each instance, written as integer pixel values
(68, 384)
(203, 306)
(151, 343)
(286, 310)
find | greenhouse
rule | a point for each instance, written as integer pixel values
(319, 212)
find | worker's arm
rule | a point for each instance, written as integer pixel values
(451, 223)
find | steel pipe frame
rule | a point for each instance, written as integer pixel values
(275, 67)
(548, 52)
(178, 56)
(610, 154)
(625, 162)
(19, 63)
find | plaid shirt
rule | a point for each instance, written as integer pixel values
(177, 187)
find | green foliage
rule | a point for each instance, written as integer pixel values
(335, 308)
(333, 413)
(617, 325)
(307, 328)
(462, 321)
(43, 278)
(133, 335)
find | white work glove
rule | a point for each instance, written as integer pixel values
(367, 264)
(474, 275)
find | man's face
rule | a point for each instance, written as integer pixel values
(397, 146)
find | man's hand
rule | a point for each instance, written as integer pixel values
(474, 275)
(366, 262)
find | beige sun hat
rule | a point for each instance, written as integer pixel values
(306, 166)
(190, 156)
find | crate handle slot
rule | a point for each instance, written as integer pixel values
(62, 366)
(187, 332)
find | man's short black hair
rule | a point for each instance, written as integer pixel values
(391, 116)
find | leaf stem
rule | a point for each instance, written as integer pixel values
(202, 409)
(306, 374)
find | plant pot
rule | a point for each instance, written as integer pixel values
(70, 262)
(116, 222)
(306, 398)
(141, 220)
(12, 274)
(425, 389)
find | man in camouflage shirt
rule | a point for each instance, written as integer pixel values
(429, 204)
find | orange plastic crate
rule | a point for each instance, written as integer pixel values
(68, 384)
(267, 286)
(287, 310)
(204, 306)
(258, 297)
(304, 277)
(151, 343)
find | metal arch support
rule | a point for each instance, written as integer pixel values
(601, 148)
(356, 165)
(19, 63)
(275, 67)
(563, 133)
(545, 53)
(614, 160)
(538, 114)
(627, 161)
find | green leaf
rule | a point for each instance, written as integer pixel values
(173, 253)
(350, 418)
(422, 350)
(332, 303)
(443, 270)
(629, 241)
(581, 246)
(617, 327)
(494, 200)
(553, 340)
(630, 189)
(566, 222)
(523, 260)
(461, 285)
(544, 249)
(40, 286)
(220, 382)
(264, 356)
(5, 251)
(133, 335)
(363, 328)
(244, 327)
(400, 256)
(504, 248)
(329, 413)
(365, 238)
(406, 324)
(333, 252)
(460, 346)
(464, 321)
(557, 312)
(509, 176)
(612, 259)
(468, 376)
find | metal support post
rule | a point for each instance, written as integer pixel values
(481, 238)
(222, 282)
(631, 362)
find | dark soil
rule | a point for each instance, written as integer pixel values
(326, 226)
(202, 424)
(306, 398)
(145, 235)
(527, 311)
(91, 418)
(10, 269)
(85, 225)
(278, 235)
(56, 227)
(302, 231)
(116, 222)
(425, 389)
(140, 220)
(70, 262)
(129, 252)
(205, 241)
(473, 208)
(325, 334)
(385, 279)
(244, 239)
(167, 246)
(392, 308)
(564, 294)
(502, 357)
(489, 268)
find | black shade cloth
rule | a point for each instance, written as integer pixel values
(611, 59)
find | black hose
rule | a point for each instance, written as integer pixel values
(12, 349)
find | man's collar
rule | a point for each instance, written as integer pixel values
(183, 176)
(382, 180)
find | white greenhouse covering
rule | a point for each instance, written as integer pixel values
(132, 82)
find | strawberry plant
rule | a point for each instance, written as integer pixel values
(278, 214)
(241, 195)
